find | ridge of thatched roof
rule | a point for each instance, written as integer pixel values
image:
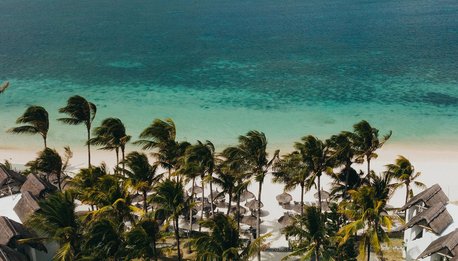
(430, 196)
(26, 206)
(447, 245)
(9, 254)
(6, 175)
(436, 217)
(36, 186)
(10, 229)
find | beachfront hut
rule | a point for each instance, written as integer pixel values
(9, 254)
(286, 220)
(37, 186)
(445, 246)
(11, 230)
(253, 205)
(436, 218)
(284, 198)
(429, 197)
(26, 206)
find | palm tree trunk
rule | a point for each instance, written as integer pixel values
(145, 201)
(154, 249)
(230, 201)
(407, 192)
(44, 140)
(317, 252)
(258, 219)
(117, 156)
(368, 251)
(190, 212)
(177, 237)
(211, 196)
(123, 148)
(368, 164)
(202, 202)
(302, 198)
(89, 146)
(319, 191)
(59, 181)
(238, 210)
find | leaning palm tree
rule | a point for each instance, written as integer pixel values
(57, 222)
(36, 121)
(252, 151)
(111, 135)
(140, 175)
(404, 171)
(309, 235)
(161, 136)
(292, 171)
(315, 155)
(366, 141)
(224, 242)
(80, 111)
(169, 196)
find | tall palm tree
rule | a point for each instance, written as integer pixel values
(310, 235)
(169, 196)
(252, 150)
(141, 240)
(367, 212)
(104, 240)
(140, 175)
(57, 222)
(111, 135)
(366, 141)
(80, 111)
(404, 171)
(161, 136)
(315, 155)
(36, 121)
(84, 184)
(292, 171)
(226, 180)
(224, 242)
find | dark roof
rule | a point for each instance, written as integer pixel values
(436, 217)
(36, 185)
(9, 176)
(447, 245)
(429, 196)
(26, 206)
(9, 254)
(10, 229)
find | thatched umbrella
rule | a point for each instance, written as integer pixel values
(324, 195)
(217, 195)
(222, 204)
(249, 220)
(242, 209)
(286, 220)
(246, 195)
(284, 198)
(297, 208)
(197, 190)
(253, 205)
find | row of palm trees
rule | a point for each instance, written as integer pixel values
(362, 196)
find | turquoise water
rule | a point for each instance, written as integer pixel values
(221, 68)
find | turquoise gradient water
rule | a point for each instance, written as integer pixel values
(221, 68)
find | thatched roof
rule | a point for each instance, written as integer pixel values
(286, 220)
(10, 176)
(36, 186)
(253, 205)
(430, 196)
(284, 198)
(436, 217)
(9, 254)
(10, 229)
(447, 245)
(26, 206)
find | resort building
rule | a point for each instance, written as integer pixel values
(430, 231)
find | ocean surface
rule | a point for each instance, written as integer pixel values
(221, 68)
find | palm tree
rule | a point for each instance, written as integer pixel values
(292, 171)
(310, 235)
(224, 242)
(252, 151)
(141, 240)
(104, 240)
(367, 212)
(111, 134)
(50, 162)
(315, 155)
(161, 136)
(404, 171)
(57, 222)
(80, 111)
(366, 141)
(226, 180)
(36, 121)
(169, 196)
(140, 174)
(85, 185)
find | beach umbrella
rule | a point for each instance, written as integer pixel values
(197, 190)
(286, 220)
(222, 204)
(284, 198)
(324, 195)
(297, 208)
(253, 205)
(217, 195)
(242, 210)
(246, 195)
(249, 220)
